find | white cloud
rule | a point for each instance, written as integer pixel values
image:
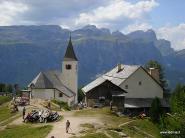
(9, 11)
(113, 14)
(116, 11)
(175, 34)
(39, 12)
(137, 26)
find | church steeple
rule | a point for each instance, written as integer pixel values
(70, 54)
(70, 70)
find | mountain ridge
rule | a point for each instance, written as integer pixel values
(27, 50)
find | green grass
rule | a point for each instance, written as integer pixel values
(175, 123)
(143, 126)
(114, 121)
(4, 99)
(136, 129)
(89, 128)
(93, 112)
(87, 125)
(114, 134)
(95, 135)
(105, 115)
(9, 120)
(25, 131)
(133, 133)
(5, 113)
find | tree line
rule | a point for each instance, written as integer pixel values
(175, 120)
(6, 88)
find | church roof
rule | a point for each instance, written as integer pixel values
(70, 54)
(42, 81)
(50, 80)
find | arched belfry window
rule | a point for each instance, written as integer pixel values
(68, 66)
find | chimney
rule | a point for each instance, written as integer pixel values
(154, 72)
(119, 68)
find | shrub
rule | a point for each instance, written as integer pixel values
(80, 95)
(155, 111)
(175, 123)
(177, 100)
(62, 104)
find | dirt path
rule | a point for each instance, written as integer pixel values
(126, 123)
(59, 127)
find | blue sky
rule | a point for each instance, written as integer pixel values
(166, 17)
(169, 12)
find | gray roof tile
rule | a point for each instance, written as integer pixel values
(50, 79)
(70, 54)
(142, 102)
(113, 76)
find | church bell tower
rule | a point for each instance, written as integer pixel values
(70, 70)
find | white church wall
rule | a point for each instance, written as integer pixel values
(49, 94)
(43, 93)
(141, 85)
(64, 98)
(70, 76)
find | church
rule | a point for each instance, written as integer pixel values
(58, 84)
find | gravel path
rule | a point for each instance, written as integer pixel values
(59, 127)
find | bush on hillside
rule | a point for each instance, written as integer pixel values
(81, 95)
(155, 111)
(62, 104)
(175, 124)
(177, 101)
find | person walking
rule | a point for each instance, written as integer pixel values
(111, 105)
(49, 105)
(23, 112)
(67, 126)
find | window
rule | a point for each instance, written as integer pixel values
(140, 83)
(126, 86)
(68, 67)
(60, 94)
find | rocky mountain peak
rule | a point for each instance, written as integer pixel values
(148, 35)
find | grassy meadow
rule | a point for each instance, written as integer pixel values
(25, 131)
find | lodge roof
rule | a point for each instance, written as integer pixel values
(142, 102)
(114, 76)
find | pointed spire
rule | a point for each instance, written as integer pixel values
(70, 54)
(69, 36)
